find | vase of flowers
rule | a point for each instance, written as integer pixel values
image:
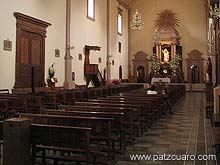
(155, 64)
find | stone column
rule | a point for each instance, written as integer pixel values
(108, 62)
(216, 99)
(174, 51)
(159, 51)
(68, 83)
(129, 44)
(213, 68)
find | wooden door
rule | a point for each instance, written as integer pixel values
(31, 58)
(30, 51)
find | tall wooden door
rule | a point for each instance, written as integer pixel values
(31, 59)
(30, 51)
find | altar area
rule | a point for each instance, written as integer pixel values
(166, 61)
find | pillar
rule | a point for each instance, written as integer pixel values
(68, 83)
(174, 51)
(216, 99)
(129, 43)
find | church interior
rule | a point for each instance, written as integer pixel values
(110, 82)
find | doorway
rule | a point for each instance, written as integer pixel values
(194, 74)
(140, 74)
(30, 51)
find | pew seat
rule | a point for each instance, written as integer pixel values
(73, 140)
(101, 128)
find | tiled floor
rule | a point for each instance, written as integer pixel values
(185, 132)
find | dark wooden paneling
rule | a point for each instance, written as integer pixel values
(30, 51)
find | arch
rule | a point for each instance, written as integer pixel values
(195, 67)
(140, 74)
(140, 59)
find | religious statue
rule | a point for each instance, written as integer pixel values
(166, 56)
(209, 70)
(51, 71)
(51, 80)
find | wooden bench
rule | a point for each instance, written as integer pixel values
(74, 140)
(136, 111)
(117, 125)
(10, 104)
(163, 100)
(158, 103)
(101, 127)
(128, 119)
(149, 112)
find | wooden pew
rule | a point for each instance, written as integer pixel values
(74, 140)
(128, 119)
(160, 101)
(101, 127)
(10, 104)
(117, 125)
(136, 110)
(149, 113)
(157, 102)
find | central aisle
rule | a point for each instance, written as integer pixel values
(185, 132)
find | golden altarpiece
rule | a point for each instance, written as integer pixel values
(167, 52)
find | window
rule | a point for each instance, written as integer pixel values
(119, 21)
(119, 47)
(91, 9)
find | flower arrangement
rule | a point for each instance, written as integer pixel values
(156, 65)
(175, 64)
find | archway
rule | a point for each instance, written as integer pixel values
(140, 62)
(195, 66)
(140, 74)
(194, 73)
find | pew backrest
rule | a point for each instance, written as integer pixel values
(61, 136)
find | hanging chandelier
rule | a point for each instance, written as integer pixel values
(136, 22)
(215, 12)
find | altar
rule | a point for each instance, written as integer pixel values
(167, 51)
(160, 80)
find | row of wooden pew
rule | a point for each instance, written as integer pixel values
(31, 102)
(103, 127)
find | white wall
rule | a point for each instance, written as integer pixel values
(88, 32)
(52, 11)
(119, 58)
(83, 32)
